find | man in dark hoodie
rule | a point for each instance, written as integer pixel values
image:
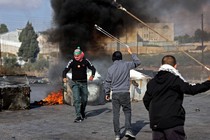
(118, 81)
(164, 98)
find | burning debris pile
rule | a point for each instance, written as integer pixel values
(54, 98)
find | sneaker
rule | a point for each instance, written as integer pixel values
(78, 119)
(129, 134)
(117, 137)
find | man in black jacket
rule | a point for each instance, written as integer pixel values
(79, 66)
(164, 98)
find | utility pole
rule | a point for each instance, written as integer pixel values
(202, 35)
(0, 51)
(202, 38)
(0, 48)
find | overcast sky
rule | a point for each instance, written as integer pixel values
(16, 13)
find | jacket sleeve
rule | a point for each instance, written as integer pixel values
(107, 83)
(136, 60)
(194, 89)
(67, 68)
(147, 98)
(135, 63)
(91, 67)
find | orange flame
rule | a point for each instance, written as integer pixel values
(54, 98)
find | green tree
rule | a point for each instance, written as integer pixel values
(184, 39)
(3, 28)
(199, 34)
(10, 62)
(29, 48)
(39, 65)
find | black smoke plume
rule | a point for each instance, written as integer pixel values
(74, 22)
(75, 19)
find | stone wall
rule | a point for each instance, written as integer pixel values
(14, 92)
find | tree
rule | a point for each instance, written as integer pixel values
(39, 65)
(184, 39)
(199, 34)
(29, 48)
(10, 62)
(3, 28)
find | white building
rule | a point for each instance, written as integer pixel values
(10, 43)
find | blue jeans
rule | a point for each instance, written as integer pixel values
(118, 100)
(80, 96)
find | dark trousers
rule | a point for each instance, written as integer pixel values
(175, 133)
(80, 96)
(118, 100)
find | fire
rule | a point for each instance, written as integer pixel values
(54, 98)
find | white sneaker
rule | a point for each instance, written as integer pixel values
(117, 137)
(129, 134)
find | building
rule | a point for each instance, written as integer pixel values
(164, 32)
(154, 32)
(145, 39)
(10, 44)
(48, 50)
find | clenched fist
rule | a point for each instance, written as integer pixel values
(64, 80)
(91, 78)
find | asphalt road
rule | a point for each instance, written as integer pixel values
(56, 122)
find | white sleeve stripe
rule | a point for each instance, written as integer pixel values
(69, 63)
(89, 62)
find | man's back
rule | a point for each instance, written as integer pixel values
(164, 95)
(164, 99)
(119, 74)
